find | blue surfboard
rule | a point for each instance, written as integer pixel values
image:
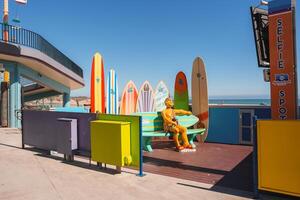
(112, 93)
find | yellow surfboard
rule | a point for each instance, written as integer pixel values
(97, 85)
(200, 96)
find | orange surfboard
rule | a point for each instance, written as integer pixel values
(129, 99)
(200, 95)
(97, 85)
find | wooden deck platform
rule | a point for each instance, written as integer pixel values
(223, 165)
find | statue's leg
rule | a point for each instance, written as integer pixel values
(183, 131)
(175, 132)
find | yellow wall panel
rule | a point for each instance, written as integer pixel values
(278, 148)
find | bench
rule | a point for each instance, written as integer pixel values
(152, 126)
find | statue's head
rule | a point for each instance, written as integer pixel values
(169, 103)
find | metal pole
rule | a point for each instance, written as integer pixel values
(141, 174)
(295, 58)
(254, 157)
(5, 12)
(5, 20)
(4, 104)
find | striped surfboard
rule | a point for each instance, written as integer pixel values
(97, 85)
(145, 102)
(112, 93)
(129, 99)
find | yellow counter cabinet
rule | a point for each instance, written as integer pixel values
(110, 142)
(278, 143)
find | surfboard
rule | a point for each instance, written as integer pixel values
(145, 102)
(200, 95)
(97, 85)
(112, 93)
(181, 94)
(129, 99)
(160, 94)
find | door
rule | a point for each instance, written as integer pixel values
(246, 126)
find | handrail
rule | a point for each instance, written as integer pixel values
(28, 38)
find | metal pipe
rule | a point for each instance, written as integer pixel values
(5, 20)
(5, 12)
(4, 104)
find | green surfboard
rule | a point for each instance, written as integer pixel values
(181, 94)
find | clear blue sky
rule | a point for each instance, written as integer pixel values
(154, 39)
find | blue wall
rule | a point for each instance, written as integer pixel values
(223, 125)
(71, 109)
(263, 113)
(224, 122)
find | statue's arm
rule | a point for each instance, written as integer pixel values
(182, 112)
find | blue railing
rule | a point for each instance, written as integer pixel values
(28, 38)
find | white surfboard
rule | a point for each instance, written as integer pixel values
(160, 94)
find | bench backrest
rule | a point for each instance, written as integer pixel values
(153, 121)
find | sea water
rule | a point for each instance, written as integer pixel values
(266, 102)
(241, 101)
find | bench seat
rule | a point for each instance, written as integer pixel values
(147, 137)
(152, 126)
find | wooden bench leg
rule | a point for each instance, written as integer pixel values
(147, 144)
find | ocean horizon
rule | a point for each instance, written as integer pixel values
(240, 101)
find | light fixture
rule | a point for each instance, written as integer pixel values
(264, 3)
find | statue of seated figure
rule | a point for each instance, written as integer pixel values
(171, 125)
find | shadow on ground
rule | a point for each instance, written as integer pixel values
(82, 164)
(8, 145)
(237, 181)
(180, 165)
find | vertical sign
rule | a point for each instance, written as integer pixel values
(283, 77)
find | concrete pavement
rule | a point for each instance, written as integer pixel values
(26, 174)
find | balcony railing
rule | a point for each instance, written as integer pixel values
(28, 38)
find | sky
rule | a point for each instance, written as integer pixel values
(154, 40)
